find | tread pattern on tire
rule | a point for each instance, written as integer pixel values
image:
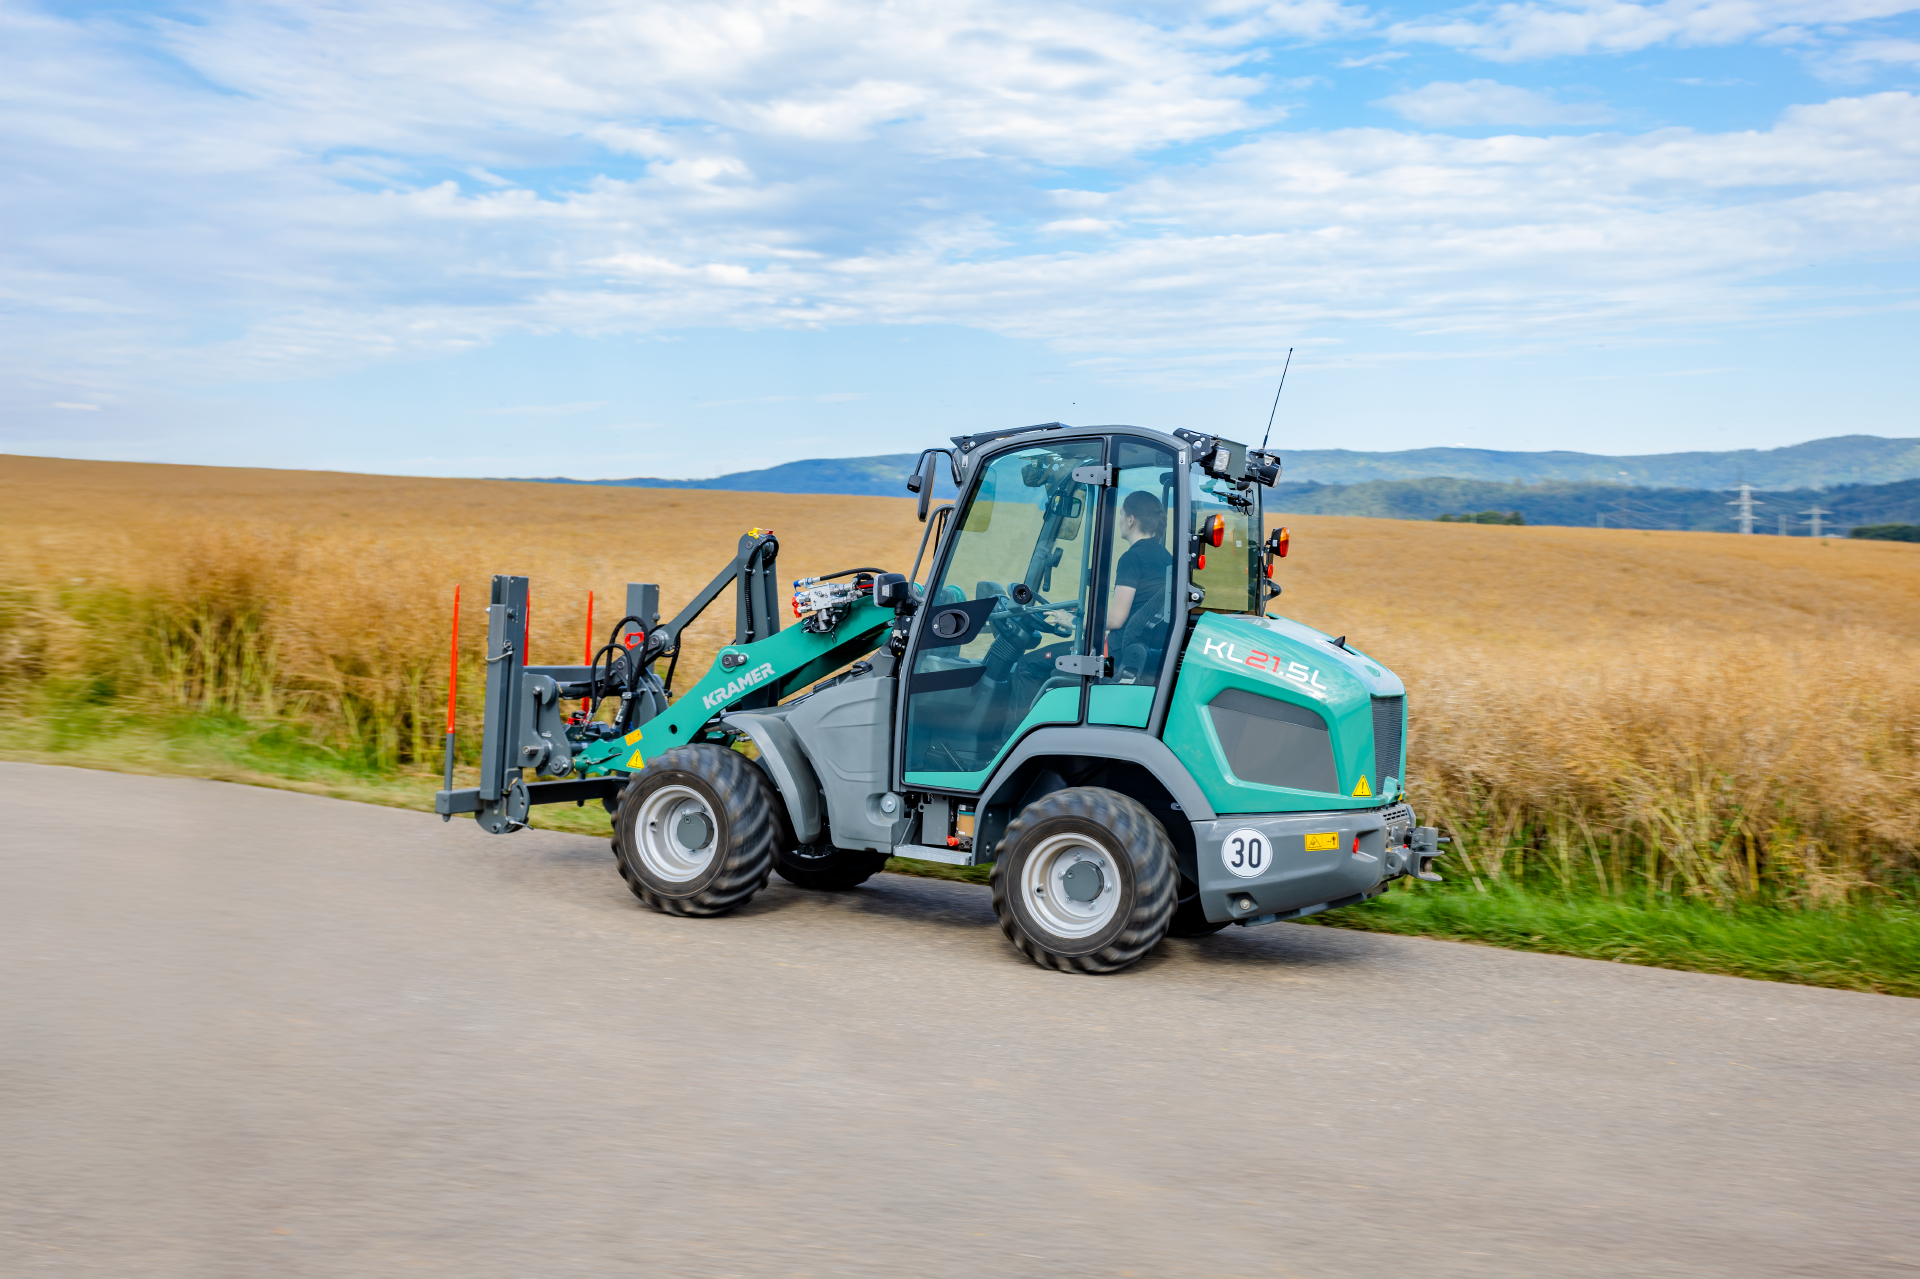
(748, 829)
(1138, 836)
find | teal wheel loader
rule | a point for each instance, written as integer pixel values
(1079, 681)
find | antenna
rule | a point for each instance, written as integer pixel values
(1276, 400)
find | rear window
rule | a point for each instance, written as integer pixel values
(1232, 566)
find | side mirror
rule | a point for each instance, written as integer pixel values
(891, 590)
(922, 483)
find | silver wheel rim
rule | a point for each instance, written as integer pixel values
(656, 834)
(1044, 888)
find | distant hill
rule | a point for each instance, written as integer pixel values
(1817, 464)
(1843, 459)
(882, 476)
(1614, 505)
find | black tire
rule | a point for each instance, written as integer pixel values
(1189, 920)
(685, 783)
(824, 868)
(1120, 837)
(819, 865)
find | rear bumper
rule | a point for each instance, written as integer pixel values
(1259, 868)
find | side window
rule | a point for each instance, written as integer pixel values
(1140, 566)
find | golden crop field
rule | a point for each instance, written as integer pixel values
(1703, 713)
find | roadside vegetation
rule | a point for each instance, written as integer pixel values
(1686, 749)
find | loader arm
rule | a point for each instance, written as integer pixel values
(525, 728)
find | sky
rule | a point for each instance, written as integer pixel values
(682, 239)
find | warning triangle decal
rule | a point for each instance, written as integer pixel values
(1362, 789)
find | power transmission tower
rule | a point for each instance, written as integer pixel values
(1784, 531)
(1814, 516)
(1745, 503)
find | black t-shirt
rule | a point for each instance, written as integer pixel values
(1144, 567)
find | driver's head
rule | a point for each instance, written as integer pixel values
(1144, 509)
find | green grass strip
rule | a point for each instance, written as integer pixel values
(1873, 948)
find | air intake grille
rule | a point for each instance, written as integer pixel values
(1389, 713)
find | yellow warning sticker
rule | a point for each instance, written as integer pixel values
(1362, 789)
(636, 761)
(1323, 842)
(634, 736)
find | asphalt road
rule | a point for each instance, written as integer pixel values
(251, 1033)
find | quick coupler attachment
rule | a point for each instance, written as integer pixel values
(1425, 849)
(525, 726)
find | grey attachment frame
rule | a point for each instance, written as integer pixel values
(523, 724)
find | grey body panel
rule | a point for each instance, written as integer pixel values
(1296, 882)
(846, 733)
(787, 764)
(1100, 741)
(1272, 742)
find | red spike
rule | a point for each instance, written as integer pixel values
(453, 660)
(586, 703)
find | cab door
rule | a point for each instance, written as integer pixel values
(1010, 599)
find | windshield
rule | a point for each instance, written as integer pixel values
(1233, 567)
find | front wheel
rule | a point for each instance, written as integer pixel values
(1085, 881)
(695, 832)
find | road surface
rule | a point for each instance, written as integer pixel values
(257, 1034)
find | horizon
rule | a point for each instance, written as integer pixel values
(603, 480)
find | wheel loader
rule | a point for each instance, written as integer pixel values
(1078, 681)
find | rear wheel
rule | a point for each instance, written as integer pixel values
(819, 865)
(823, 867)
(1085, 881)
(695, 832)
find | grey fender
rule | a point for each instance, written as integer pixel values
(1092, 742)
(787, 764)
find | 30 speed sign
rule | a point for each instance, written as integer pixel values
(1246, 853)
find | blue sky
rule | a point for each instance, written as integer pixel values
(608, 239)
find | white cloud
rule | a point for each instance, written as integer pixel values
(1444, 103)
(1513, 32)
(1862, 59)
(372, 184)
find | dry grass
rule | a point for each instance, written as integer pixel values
(1637, 713)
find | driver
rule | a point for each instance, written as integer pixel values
(1140, 580)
